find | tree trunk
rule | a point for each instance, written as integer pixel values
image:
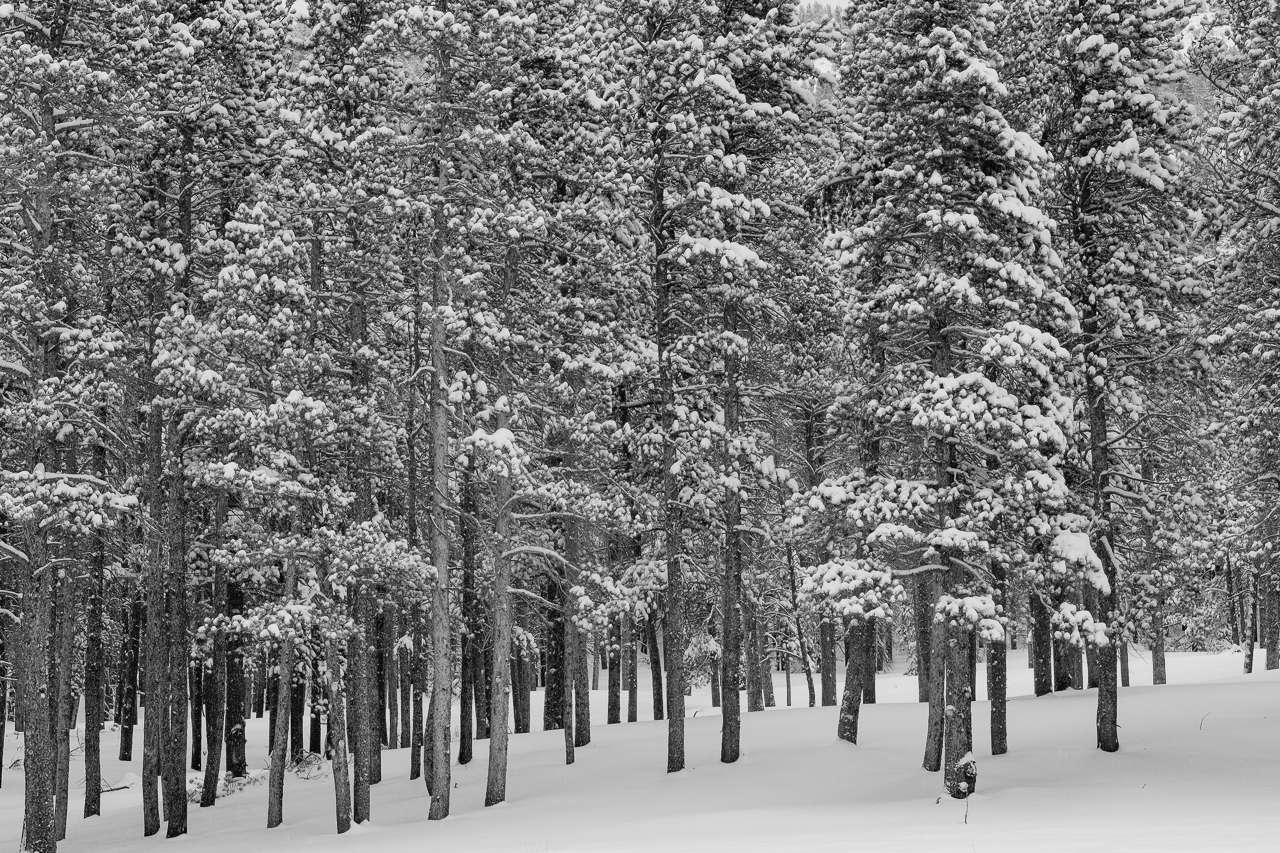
(827, 660)
(94, 661)
(284, 707)
(632, 655)
(855, 671)
(1041, 650)
(34, 688)
(419, 682)
(581, 692)
(614, 659)
(1157, 642)
(233, 726)
(338, 735)
(961, 771)
(129, 687)
(195, 683)
(554, 654)
(64, 711)
(937, 680)
(751, 655)
(297, 713)
(655, 665)
(1251, 633)
(764, 660)
(871, 660)
(496, 787)
(1273, 624)
(922, 611)
(795, 609)
(175, 758)
(997, 692)
(361, 739)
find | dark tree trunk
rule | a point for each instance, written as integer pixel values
(1041, 650)
(128, 688)
(195, 682)
(361, 737)
(751, 656)
(827, 660)
(391, 679)
(297, 713)
(655, 666)
(795, 609)
(1233, 602)
(285, 691)
(855, 672)
(337, 703)
(961, 771)
(1157, 642)
(1251, 634)
(405, 667)
(237, 759)
(64, 636)
(937, 680)
(997, 691)
(419, 685)
(315, 693)
(581, 692)
(1273, 624)
(554, 654)
(870, 660)
(216, 694)
(614, 660)
(632, 658)
(922, 611)
(34, 687)
(95, 664)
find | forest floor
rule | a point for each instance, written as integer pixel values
(1197, 771)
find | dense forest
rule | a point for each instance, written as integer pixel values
(360, 358)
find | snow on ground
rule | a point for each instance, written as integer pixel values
(1197, 771)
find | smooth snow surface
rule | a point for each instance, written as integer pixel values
(1197, 771)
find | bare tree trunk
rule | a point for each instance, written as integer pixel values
(855, 670)
(998, 668)
(361, 738)
(284, 705)
(751, 656)
(581, 692)
(961, 771)
(94, 660)
(614, 659)
(237, 696)
(1158, 675)
(827, 660)
(338, 736)
(64, 637)
(765, 662)
(795, 609)
(1251, 634)
(1041, 650)
(419, 682)
(632, 655)
(922, 611)
(871, 660)
(216, 695)
(655, 665)
(1272, 599)
(195, 684)
(131, 654)
(34, 688)
(496, 787)
(938, 676)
